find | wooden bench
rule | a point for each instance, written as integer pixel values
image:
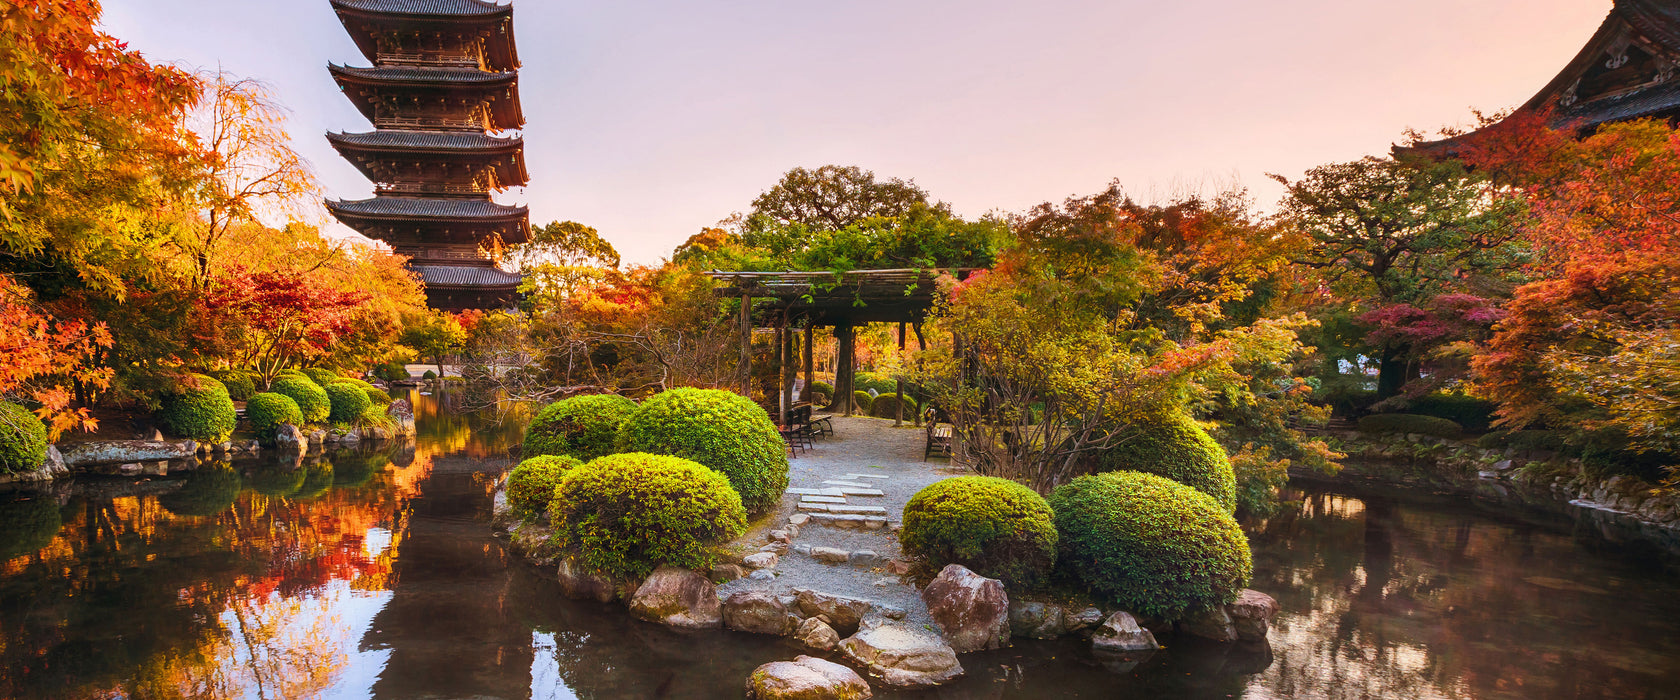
(938, 440)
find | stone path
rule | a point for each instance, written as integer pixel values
(836, 531)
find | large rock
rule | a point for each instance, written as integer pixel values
(806, 678)
(1122, 633)
(972, 610)
(1082, 622)
(845, 614)
(401, 413)
(288, 438)
(1252, 614)
(903, 657)
(1034, 620)
(1212, 623)
(51, 468)
(84, 454)
(816, 634)
(678, 598)
(758, 612)
(578, 583)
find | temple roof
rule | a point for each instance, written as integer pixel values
(443, 141)
(499, 90)
(451, 276)
(367, 151)
(422, 76)
(451, 8)
(422, 208)
(492, 22)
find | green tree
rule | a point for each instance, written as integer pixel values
(561, 258)
(833, 197)
(434, 336)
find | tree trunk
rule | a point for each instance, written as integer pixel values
(1393, 372)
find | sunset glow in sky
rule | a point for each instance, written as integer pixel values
(650, 119)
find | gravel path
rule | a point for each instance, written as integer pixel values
(861, 451)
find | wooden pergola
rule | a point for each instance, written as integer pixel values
(841, 300)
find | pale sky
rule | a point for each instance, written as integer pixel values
(650, 119)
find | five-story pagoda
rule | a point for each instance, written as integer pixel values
(444, 79)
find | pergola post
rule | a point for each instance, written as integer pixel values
(785, 370)
(921, 344)
(843, 374)
(810, 366)
(746, 345)
(899, 419)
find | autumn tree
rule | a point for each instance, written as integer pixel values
(41, 357)
(279, 319)
(561, 258)
(434, 335)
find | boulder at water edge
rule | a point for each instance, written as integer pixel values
(806, 678)
(903, 657)
(1213, 623)
(1252, 615)
(845, 614)
(678, 598)
(758, 612)
(972, 610)
(578, 583)
(1034, 620)
(1122, 634)
(289, 439)
(816, 634)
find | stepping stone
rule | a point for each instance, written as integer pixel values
(846, 484)
(822, 499)
(858, 510)
(850, 521)
(866, 476)
(819, 507)
(863, 492)
(807, 492)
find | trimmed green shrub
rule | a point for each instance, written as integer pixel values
(291, 372)
(209, 490)
(823, 388)
(267, 411)
(584, 427)
(1175, 447)
(378, 397)
(1476, 415)
(347, 402)
(317, 479)
(23, 439)
(886, 406)
(310, 397)
(392, 372)
(863, 401)
(27, 527)
(994, 526)
(321, 376)
(199, 408)
(241, 384)
(1152, 545)
(628, 514)
(1408, 423)
(720, 429)
(429, 375)
(531, 485)
(881, 383)
(277, 480)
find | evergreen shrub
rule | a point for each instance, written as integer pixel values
(1407, 423)
(378, 397)
(347, 402)
(627, 514)
(996, 527)
(531, 485)
(1476, 415)
(719, 429)
(311, 399)
(23, 439)
(1173, 446)
(585, 427)
(1150, 544)
(429, 375)
(241, 384)
(886, 406)
(199, 408)
(321, 376)
(267, 411)
(871, 381)
(863, 400)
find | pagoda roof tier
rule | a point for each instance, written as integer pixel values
(498, 90)
(363, 18)
(467, 218)
(463, 276)
(366, 150)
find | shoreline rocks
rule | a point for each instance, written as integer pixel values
(902, 657)
(87, 454)
(757, 612)
(678, 598)
(806, 678)
(971, 610)
(1122, 634)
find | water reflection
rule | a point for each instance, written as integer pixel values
(372, 573)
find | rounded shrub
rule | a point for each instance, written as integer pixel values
(209, 490)
(870, 381)
(311, 399)
(291, 372)
(429, 375)
(1408, 423)
(199, 408)
(531, 485)
(863, 400)
(1175, 447)
(392, 372)
(277, 480)
(321, 376)
(268, 411)
(584, 427)
(378, 397)
(1152, 545)
(241, 384)
(27, 526)
(823, 388)
(23, 439)
(719, 429)
(994, 526)
(886, 406)
(347, 402)
(628, 514)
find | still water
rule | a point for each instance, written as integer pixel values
(372, 574)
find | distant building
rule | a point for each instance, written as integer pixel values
(444, 79)
(1626, 71)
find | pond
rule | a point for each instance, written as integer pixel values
(373, 574)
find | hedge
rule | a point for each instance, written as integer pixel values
(207, 491)
(628, 514)
(23, 439)
(1408, 423)
(996, 527)
(1173, 446)
(321, 377)
(241, 384)
(1476, 415)
(199, 408)
(585, 427)
(311, 399)
(823, 388)
(863, 400)
(267, 411)
(881, 383)
(348, 401)
(719, 429)
(531, 485)
(1150, 544)
(886, 406)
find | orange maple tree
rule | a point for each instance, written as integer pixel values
(40, 354)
